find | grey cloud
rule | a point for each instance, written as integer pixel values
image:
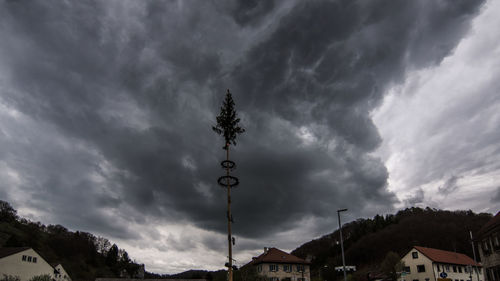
(416, 198)
(450, 185)
(325, 67)
(496, 197)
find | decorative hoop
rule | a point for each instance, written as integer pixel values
(224, 180)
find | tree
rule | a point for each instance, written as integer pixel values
(227, 122)
(392, 265)
(112, 256)
(7, 213)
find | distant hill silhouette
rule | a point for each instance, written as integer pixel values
(83, 255)
(367, 241)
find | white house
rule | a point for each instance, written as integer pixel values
(23, 262)
(277, 265)
(428, 264)
(59, 273)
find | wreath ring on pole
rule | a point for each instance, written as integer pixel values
(230, 181)
(228, 164)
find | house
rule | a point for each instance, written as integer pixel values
(428, 264)
(277, 265)
(59, 273)
(23, 262)
(488, 239)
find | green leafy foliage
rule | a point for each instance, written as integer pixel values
(227, 122)
(391, 266)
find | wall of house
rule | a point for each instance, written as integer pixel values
(458, 272)
(281, 274)
(14, 265)
(489, 251)
(63, 275)
(411, 262)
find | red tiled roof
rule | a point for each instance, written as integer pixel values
(494, 222)
(442, 256)
(274, 255)
(5, 252)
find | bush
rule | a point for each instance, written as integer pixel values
(44, 277)
(10, 278)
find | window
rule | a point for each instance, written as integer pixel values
(287, 268)
(455, 269)
(486, 249)
(414, 255)
(273, 267)
(300, 268)
(415, 279)
(427, 279)
(34, 259)
(447, 268)
(460, 269)
(29, 258)
(274, 279)
(24, 258)
(496, 242)
(437, 265)
(420, 268)
(407, 269)
(259, 268)
(301, 279)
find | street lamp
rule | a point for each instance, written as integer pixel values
(342, 242)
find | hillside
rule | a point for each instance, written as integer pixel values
(367, 241)
(83, 255)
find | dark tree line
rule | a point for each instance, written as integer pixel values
(83, 255)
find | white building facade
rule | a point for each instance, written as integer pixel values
(23, 262)
(428, 264)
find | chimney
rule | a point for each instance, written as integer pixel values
(265, 250)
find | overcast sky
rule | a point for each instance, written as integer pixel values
(106, 110)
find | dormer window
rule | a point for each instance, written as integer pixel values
(414, 255)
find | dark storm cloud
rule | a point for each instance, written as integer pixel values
(139, 84)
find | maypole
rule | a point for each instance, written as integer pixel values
(227, 125)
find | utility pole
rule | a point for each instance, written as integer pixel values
(474, 254)
(227, 126)
(342, 242)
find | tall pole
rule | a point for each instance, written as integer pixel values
(474, 254)
(227, 126)
(229, 237)
(342, 242)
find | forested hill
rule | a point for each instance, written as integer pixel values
(83, 255)
(367, 241)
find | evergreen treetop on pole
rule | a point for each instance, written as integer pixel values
(227, 122)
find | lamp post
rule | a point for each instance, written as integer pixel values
(342, 242)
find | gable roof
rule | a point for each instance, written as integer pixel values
(274, 255)
(442, 256)
(490, 225)
(5, 252)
